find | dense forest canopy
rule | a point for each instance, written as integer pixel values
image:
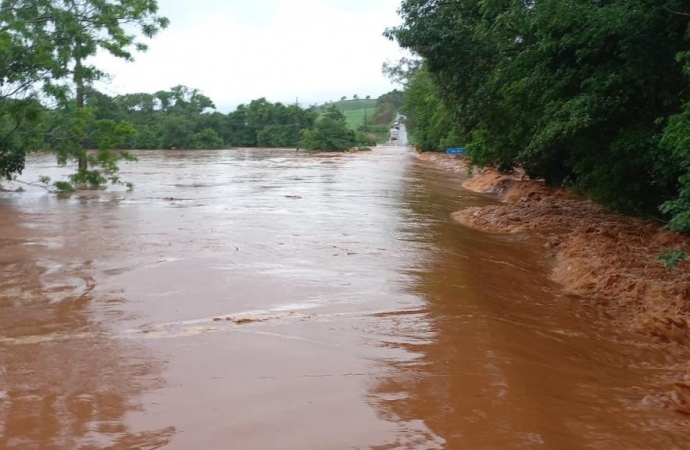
(589, 94)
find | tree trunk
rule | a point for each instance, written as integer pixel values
(79, 81)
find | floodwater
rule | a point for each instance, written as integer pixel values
(256, 299)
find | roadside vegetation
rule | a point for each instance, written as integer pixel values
(593, 96)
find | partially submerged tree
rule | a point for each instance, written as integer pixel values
(82, 28)
(330, 133)
(46, 46)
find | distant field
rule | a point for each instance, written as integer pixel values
(355, 110)
(355, 117)
(348, 105)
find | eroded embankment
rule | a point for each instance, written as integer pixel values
(599, 255)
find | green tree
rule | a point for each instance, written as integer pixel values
(177, 132)
(677, 140)
(145, 139)
(578, 93)
(185, 101)
(430, 123)
(330, 133)
(81, 28)
(208, 139)
(18, 133)
(277, 136)
(25, 60)
(402, 71)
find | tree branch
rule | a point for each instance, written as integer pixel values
(676, 12)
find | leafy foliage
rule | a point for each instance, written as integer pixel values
(330, 133)
(672, 257)
(67, 128)
(184, 118)
(208, 139)
(579, 93)
(18, 133)
(45, 46)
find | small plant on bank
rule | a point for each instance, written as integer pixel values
(672, 257)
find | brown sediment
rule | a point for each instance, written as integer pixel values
(248, 319)
(599, 254)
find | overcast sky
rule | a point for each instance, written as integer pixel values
(238, 50)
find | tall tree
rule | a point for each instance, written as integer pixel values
(25, 60)
(82, 28)
(576, 92)
(45, 45)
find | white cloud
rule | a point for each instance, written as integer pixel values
(237, 50)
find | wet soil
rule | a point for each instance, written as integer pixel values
(276, 300)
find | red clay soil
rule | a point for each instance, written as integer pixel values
(599, 255)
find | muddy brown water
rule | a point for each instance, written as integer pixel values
(256, 299)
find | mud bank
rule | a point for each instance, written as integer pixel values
(598, 254)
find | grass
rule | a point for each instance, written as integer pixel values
(349, 105)
(355, 110)
(355, 117)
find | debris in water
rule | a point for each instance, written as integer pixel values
(245, 320)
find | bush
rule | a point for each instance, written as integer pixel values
(330, 133)
(208, 139)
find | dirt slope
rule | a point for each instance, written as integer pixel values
(600, 255)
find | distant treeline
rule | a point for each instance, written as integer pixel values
(184, 118)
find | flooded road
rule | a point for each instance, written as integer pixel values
(255, 299)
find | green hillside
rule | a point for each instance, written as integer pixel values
(350, 105)
(380, 113)
(355, 110)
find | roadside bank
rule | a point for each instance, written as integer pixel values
(597, 254)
